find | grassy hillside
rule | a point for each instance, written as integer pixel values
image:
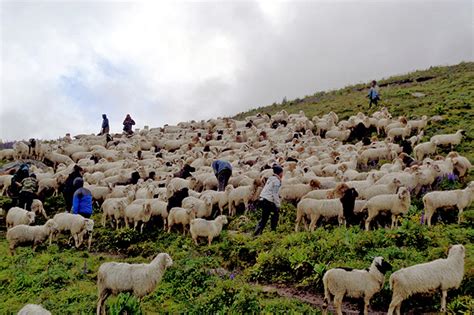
(449, 92)
(227, 277)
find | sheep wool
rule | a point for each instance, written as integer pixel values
(443, 274)
(205, 228)
(33, 309)
(140, 279)
(23, 234)
(355, 283)
(17, 216)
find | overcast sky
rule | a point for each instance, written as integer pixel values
(64, 63)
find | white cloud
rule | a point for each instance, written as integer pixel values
(63, 64)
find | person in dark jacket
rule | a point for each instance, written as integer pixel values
(82, 199)
(68, 190)
(29, 187)
(127, 124)
(15, 185)
(223, 171)
(105, 125)
(269, 200)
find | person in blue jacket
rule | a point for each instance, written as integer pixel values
(374, 94)
(82, 200)
(223, 171)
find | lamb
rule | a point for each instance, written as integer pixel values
(381, 189)
(449, 139)
(22, 234)
(17, 216)
(5, 182)
(33, 309)
(21, 150)
(397, 204)
(424, 149)
(77, 225)
(354, 283)
(136, 213)
(140, 279)
(336, 192)
(37, 207)
(443, 274)
(419, 125)
(297, 191)
(458, 198)
(461, 164)
(211, 229)
(181, 216)
(399, 132)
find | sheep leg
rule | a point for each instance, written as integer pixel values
(103, 295)
(460, 215)
(394, 222)
(395, 305)
(246, 205)
(194, 239)
(366, 305)
(135, 224)
(444, 293)
(76, 240)
(90, 241)
(338, 304)
(367, 223)
(314, 220)
(126, 222)
(209, 240)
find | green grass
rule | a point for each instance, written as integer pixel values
(63, 279)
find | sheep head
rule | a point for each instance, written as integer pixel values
(382, 265)
(315, 184)
(222, 219)
(31, 217)
(455, 250)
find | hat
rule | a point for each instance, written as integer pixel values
(277, 169)
(78, 182)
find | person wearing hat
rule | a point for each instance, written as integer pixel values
(82, 199)
(269, 200)
(29, 187)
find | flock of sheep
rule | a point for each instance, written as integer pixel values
(329, 172)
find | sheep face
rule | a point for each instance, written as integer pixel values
(52, 226)
(222, 219)
(168, 260)
(382, 265)
(31, 217)
(89, 225)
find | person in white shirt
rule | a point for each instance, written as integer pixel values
(269, 200)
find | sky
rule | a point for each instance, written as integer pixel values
(65, 63)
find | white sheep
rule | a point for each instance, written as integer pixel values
(458, 198)
(17, 216)
(381, 189)
(22, 234)
(77, 225)
(205, 228)
(221, 198)
(140, 279)
(33, 309)
(356, 283)
(242, 194)
(181, 216)
(296, 191)
(137, 213)
(424, 149)
(448, 139)
(37, 207)
(5, 183)
(314, 209)
(158, 208)
(397, 204)
(202, 208)
(440, 274)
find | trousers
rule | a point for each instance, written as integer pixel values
(268, 208)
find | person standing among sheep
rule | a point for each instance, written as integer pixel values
(82, 199)
(69, 190)
(373, 95)
(29, 187)
(127, 124)
(105, 126)
(269, 200)
(223, 171)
